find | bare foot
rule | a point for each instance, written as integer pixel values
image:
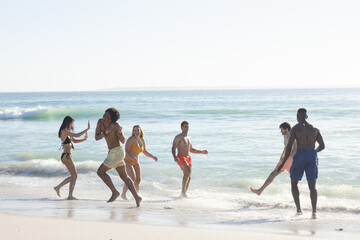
(138, 201)
(72, 198)
(123, 196)
(114, 196)
(184, 195)
(313, 215)
(57, 190)
(255, 191)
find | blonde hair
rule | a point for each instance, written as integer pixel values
(141, 131)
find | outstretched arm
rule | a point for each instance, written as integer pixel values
(70, 134)
(288, 149)
(80, 140)
(193, 150)
(146, 153)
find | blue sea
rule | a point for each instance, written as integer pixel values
(239, 128)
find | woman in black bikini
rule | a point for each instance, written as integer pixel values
(67, 138)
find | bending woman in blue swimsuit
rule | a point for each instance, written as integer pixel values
(67, 138)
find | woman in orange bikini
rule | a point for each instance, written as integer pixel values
(133, 147)
(67, 138)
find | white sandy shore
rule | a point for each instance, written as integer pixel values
(22, 227)
(19, 227)
(30, 217)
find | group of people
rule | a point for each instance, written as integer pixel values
(299, 156)
(124, 161)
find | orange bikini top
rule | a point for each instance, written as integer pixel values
(135, 148)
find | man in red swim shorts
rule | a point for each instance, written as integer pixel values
(182, 142)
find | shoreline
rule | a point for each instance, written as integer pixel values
(16, 227)
(241, 216)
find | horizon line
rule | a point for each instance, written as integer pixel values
(133, 89)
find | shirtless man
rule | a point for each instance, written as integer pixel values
(285, 131)
(112, 131)
(305, 158)
(182, 142)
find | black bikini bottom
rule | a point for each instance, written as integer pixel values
(64, 154)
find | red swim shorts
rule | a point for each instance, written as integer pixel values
(183, 159)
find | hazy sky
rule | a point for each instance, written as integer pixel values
(87, 45)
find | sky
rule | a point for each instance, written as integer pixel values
(94, 45)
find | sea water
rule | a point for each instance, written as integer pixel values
(239, 128)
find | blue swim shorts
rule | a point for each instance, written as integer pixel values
(304, 160)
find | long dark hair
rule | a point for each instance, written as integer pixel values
(66, 123)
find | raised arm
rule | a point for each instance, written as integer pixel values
(288, 148)
(120, 134)
(193, 150)
(320, 140)
(174, 147)
(98, 132)
(146, 153)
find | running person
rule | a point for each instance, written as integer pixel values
(182, 142)
(133, 147)
(67, 138)
(285, 131)
(108, 128)
(305, 158)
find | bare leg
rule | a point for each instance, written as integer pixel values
(295, 192)
(186, 180)
(130, 172)
(68, 162)
(64, 182)
(137, 177)
(107, 180)
(268, 181)
(122, 173)
(313, 197)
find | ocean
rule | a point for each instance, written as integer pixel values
(239, 128)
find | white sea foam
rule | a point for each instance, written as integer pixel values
(45, 168)
(50, 113)
(18, 112)
(38, 173)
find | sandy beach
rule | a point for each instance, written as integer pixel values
(93, 218)
(18, 227)
(237, 72)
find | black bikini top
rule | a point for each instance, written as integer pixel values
(67, 141)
